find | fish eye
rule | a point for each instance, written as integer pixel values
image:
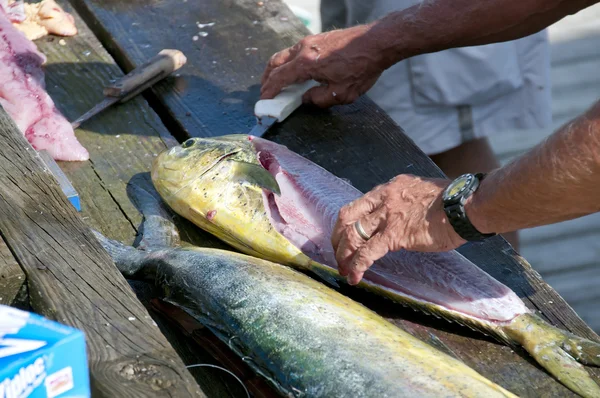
(188, 143)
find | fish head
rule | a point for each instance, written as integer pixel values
(211, 162)
(191, 162)
(219, 184)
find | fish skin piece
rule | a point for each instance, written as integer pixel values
(294, 228)
(305, 338)
(23, 96)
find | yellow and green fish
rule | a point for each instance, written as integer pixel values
(272, 203)
(302, 336)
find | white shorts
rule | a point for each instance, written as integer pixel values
(444, 99)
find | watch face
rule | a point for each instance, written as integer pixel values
(458, 186)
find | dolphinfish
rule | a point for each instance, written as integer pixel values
(305, 338)
(270, 202)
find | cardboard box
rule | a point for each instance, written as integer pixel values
(40, 358)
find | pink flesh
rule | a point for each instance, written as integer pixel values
(15, 11)
(305, 214)
(23, 96)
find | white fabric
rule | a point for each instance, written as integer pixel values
(492, 88)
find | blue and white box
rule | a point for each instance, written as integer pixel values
(41, 358)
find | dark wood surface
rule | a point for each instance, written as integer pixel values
(216, 90)
(214, 94)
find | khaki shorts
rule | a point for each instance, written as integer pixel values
(447, 98)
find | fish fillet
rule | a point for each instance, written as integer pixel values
(23, 96)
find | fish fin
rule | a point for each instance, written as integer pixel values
(559, 352)
(255, 174)
(439, 344)
(326, 274)
(157, 229)
(128, 259)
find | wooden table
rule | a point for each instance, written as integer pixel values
(71, 279)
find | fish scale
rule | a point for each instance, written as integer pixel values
(306, 339)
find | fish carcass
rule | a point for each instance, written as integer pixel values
(305, 338)
(270, 202)
(23, 94)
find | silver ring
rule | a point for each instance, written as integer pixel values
(361, 230)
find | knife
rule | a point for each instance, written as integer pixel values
(276, 110)
(136, 81)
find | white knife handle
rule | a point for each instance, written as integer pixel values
(286, 102)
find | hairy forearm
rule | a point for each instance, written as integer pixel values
(557, 180)
(436, 25)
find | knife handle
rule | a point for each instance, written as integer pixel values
(286, 102)
(144, 76)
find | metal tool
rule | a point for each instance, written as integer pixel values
(61, 178)
(157, 68)
(269, 111)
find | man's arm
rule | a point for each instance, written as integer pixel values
(436, 25)
(557, 180)
(349, 61)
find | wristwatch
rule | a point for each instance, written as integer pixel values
(454, 198)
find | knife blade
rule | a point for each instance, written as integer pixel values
(144, 76)
(276, 110)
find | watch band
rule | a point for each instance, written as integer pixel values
(458, 217)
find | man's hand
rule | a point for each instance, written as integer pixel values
(405, 213)
(346, 62)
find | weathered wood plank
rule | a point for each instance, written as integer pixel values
(12, 276)
(215, 94)
(122, 143)
(72, 280)
(122, 140)
(219, 85)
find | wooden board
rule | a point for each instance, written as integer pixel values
(122, 142)
(215, 94)
(12, 276)
(72, 279)
(215, 91)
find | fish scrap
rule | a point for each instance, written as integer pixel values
(22, 92)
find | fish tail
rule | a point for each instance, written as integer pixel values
(157, 229)
(560, 352)
(127, 259)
